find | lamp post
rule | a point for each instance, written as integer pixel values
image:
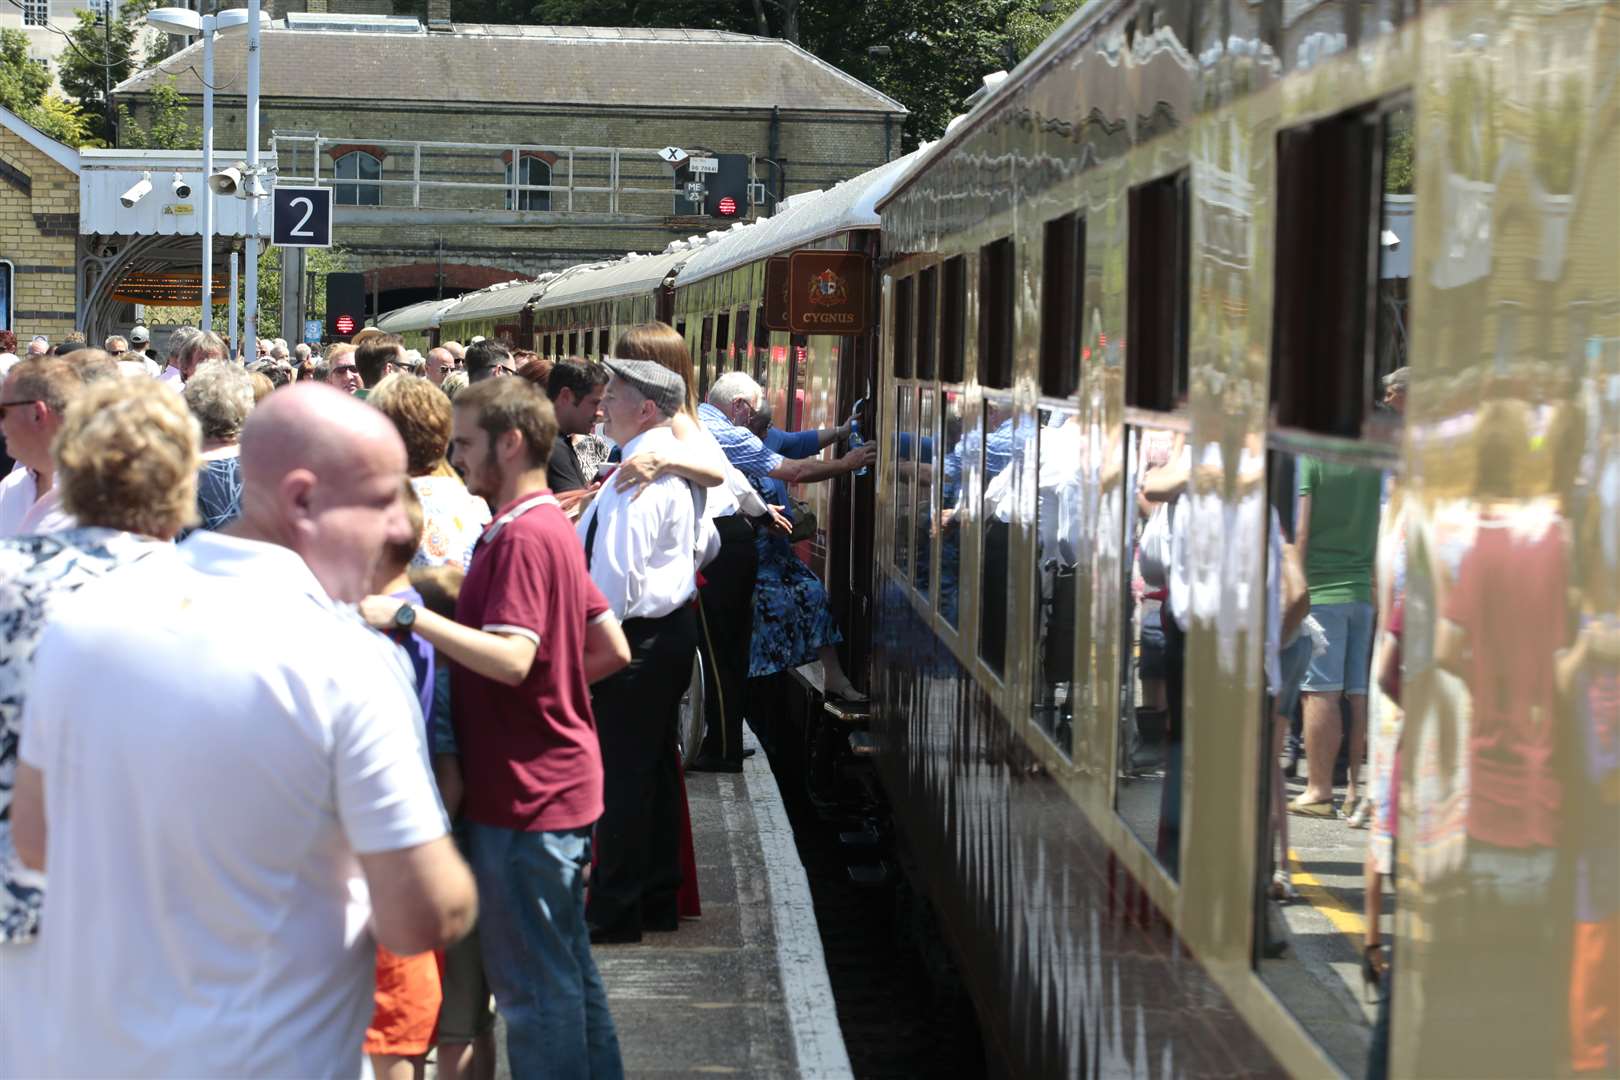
(250, 297)
(184, 21)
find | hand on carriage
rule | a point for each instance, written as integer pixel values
(574, 503)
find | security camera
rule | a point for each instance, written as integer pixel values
(138, 191)
(227, 181)
(182, 190)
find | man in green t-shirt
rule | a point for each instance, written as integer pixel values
(1337, 536)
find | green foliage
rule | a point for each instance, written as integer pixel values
(98, 57)
(322, 261)
(170, 127)
(1558, 130)
(25, 90)
(1399, 151)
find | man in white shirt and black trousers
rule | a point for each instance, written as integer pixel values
(639, 546)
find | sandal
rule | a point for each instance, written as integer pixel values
(1282, 888)
(849, 696)
(1361, 816)
(1322, 809)
(1374, 969)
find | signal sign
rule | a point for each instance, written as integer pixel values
(301, 217)
(673, 155)
(345, 303)
(345, 324)
(727, 206)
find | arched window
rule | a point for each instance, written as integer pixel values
(358, 165)
(533, 171)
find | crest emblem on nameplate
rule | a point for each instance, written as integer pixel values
(828, 292)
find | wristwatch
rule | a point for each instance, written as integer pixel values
(405, 617)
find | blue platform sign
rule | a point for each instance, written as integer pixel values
(312, 331)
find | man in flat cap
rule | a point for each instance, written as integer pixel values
(639, 548)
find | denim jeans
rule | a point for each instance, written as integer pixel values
(537, 953)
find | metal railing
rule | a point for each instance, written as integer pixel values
(453, 175)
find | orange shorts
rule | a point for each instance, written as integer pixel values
(407, 1004)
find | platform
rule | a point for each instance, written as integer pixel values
(743, 990)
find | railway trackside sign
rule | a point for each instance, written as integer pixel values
(703, 164)
(673, 155)
(301, 217)
(829, 292)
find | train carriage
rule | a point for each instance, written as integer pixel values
(416, 324)
(1209, 237)
(583, 314)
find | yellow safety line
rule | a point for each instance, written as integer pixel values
(1344, 918)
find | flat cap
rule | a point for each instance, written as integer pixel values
(1397, 379)
(655, 382)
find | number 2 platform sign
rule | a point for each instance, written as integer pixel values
(301, 217)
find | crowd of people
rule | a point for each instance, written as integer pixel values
(393, 727)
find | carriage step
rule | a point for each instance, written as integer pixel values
(863, 744)
(847, 712)
(869, 875)
(865, 837)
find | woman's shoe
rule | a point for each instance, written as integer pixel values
(1361, 816)
(847, 696)
(1282, 888)
(1322, 809)
(1374, 969)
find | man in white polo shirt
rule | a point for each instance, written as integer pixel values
(213, 807)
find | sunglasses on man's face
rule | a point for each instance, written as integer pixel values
(344, 369)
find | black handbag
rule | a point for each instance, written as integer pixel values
(804, 521)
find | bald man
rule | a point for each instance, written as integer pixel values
(240, 783)
(440, 362)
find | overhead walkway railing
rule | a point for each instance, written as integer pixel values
(412, 179)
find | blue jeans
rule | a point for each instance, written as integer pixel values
(537, 953)
(1348, 660)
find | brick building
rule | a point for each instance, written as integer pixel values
(39, 231)
(368, 103)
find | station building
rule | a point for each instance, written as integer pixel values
(39, 231)
(418, 126)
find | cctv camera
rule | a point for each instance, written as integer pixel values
(227, 181)
(182, 190)
(140, 190)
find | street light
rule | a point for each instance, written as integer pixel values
(188, 23)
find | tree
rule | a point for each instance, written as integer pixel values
(98, 58)
(169, 127)
(25, 90)
(322, 261)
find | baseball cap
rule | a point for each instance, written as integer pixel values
(655, 382)
(139, 336)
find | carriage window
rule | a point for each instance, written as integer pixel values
(996, 268)
(927, 321)
(742, 338)
(1062, 288)
(922, 460)
(590, 345)
(948, 524)
(1156, 369)
(722, 343)
(999, 443)
(906, 435)
(573, 343)
(903, 328)
(953, 320)
(1343, 187)
(1152, 508)
(762, 346)
(1058, 550)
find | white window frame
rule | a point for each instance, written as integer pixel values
(527, 199)
(356, 187)
(36, 12)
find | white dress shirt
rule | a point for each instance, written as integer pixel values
(642, 553)
(24, 512)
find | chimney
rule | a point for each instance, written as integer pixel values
(438, 16)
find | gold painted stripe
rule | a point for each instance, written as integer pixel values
(1345, 919)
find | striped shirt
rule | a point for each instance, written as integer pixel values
(751, 457)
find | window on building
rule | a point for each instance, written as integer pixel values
(36, 12)
(6, 273)
(361, 166)
(532, 171)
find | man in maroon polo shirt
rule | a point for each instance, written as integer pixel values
(531, 634)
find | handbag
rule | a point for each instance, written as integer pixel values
(804, 521)
(1153, 550)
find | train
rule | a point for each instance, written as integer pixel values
(1260, 242)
